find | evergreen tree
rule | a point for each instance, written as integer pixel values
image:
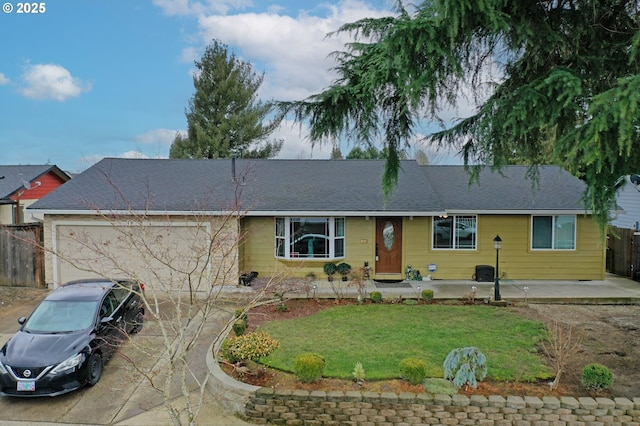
(336, 154)
(370, 153)
(224, 115)
(567, 89)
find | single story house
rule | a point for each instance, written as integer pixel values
(162, 218)
(22, 185)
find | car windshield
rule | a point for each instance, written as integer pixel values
(61, 316)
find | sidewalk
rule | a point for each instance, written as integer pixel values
(612, 290)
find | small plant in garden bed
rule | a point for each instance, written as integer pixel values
(597, 377)
(427, 295)
(413, 369)
(344, 269)
(375, 296)
(465, 366)
(330, 268)
(309, 367)
(358, 374)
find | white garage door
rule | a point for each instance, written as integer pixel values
(170, 254)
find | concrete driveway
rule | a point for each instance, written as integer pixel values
(123, 395)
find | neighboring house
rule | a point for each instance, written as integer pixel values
(628, 200)
(297, 215)
(21, 186)
(623, 252)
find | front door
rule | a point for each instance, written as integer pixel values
(388, 245)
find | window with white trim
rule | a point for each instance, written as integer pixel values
(454, 232)
(309, 237)
(553, 232)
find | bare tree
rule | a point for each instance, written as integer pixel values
(186, 264)
(561, 345)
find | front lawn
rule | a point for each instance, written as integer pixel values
(380, 335)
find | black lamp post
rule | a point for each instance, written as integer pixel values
(497, 244)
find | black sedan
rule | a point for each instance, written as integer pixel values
(63, 344)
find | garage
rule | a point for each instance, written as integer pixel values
(170, 253)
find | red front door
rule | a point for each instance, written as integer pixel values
(388, 245)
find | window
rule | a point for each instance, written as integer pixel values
(553, 232)
(309, 237)
(454, 232)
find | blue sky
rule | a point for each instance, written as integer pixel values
(88, 79)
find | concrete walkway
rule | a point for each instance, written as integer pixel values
(613, 289)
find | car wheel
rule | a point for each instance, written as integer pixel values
(94, 369)
(138, 322)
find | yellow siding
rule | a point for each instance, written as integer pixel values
(517, 260)
(259, 247)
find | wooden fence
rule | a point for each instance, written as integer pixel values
(623, 252)
(21, 256)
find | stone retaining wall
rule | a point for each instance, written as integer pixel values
(370, 408)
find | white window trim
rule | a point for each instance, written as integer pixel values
(553, 233)
(287, 239)
(433, 247)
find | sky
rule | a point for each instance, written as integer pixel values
(81, 80)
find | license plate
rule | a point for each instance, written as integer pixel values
(27, 385)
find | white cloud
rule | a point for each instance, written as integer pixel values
(4, 79)
(158, 136)
(133, 154)
(293, 51)
(51, 81)
(296, 144)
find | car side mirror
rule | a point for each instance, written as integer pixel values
(22, 320)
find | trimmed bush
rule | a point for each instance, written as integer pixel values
(426, 295)
(597, 377)
(413, 369)
(239, 327)
(375, 296)
(252, 346)
(465, 366)
(309, 367)
(242, 322)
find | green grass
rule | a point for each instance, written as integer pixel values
(380, 336)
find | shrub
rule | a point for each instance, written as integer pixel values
(376, 296)
(252, 346)
(330, 268)
(413, 369)
(309, 367)
(358, 373)
(242, 322)
(466, 366)
(597, 377)
(438, 386)
(410, 302)
(343, 269)
(239, 327)
(426, 295)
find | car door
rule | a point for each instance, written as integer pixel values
(109, 332)
(130, 301)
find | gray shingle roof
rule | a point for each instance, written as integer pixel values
(12, 176)
(313, 186)
(554, 189)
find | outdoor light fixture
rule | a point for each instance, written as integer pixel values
(497, 244)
